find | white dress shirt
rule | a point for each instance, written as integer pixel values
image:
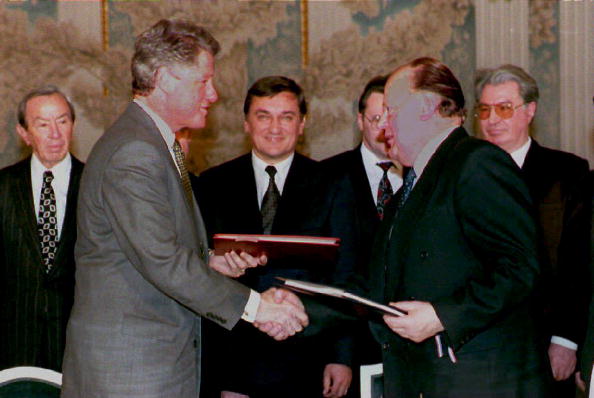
(375, 173)
(61, 172)
(262, 177)
(251, 307)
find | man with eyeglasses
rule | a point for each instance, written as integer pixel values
(374, 178)
(558, 183)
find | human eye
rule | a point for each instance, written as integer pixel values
(505, 106)
(287, 118)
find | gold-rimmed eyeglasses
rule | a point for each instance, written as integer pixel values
(373, 120)
(504, 110)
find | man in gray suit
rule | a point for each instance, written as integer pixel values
(144, 274)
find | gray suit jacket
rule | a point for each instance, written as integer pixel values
(141, 276)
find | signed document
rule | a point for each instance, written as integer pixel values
(326, 290)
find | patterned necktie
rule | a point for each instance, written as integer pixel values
(47, 224)
(270, 201)
(406, 188)
(384, 190)
(180, 160)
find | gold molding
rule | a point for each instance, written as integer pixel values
(304, 33)
(105, 34)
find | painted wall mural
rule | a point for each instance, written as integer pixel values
(348, 42)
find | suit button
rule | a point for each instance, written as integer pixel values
(385, 346)
(424, 254)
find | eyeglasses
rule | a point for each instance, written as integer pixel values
(504, 110)
(374, 120)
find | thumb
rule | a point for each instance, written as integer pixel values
(404, 305)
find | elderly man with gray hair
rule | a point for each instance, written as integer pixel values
(37, 234)
(558, 182)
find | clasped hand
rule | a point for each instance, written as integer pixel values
(280, 314)
(419, 324)
(234, 265)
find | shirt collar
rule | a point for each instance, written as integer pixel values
(163, 127)
(519, 155)
(370, 157)
(282, 167)
(429, 149)
(59, 170)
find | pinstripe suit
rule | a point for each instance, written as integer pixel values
(35, 305)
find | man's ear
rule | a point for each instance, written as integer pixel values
(302, 124)
(429, 104)
(531, 110)
(165, 79)
(24, 134)
(360, 121)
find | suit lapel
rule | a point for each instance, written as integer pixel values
(292, 191)
(537, 171)
(27, 207)
(247, 206)
(361, 186)
(413, 209)
(68, 234)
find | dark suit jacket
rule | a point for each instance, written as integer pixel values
(350, 164)
(35, 305)
(465, 241)
(141, 277)
(558, 183)
(254, 363)
(367, 220)
(587, 351)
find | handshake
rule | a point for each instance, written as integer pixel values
(280, 314)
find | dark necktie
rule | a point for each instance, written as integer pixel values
(180, 160)
(384, 189)
(47, 224)
(406, 188)
(270, 201)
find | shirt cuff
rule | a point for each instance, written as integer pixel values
(251, 307)
(564, 343)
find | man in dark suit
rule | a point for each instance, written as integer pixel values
(37, 234)
(374, 178)
(558, 182)
(144, 274)
(234, 198)
(459, 254)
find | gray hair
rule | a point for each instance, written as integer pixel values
(40, 92)
(165, 43)
(507, 73)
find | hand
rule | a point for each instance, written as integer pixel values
(563, 361)
(337, 379)
(579, 381)
(420, 323)
(233, 264)
(230, 394)
(280, 318)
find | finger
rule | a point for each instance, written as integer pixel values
(249, 261)
(263, 259)
(327, 384)
(230, 259)
(279, 295)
